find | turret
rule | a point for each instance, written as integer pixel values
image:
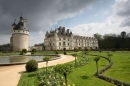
(20, 35)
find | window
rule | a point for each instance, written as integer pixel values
(68, 44)
(63, 43)
(59, 38)
(64, 38)
(68, 39)
(59, 43)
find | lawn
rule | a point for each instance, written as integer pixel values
(9, 54)
(50, 52)
(84, 76)
(121, 68)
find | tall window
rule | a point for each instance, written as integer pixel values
(59, 43)
(63, 43)
(68, 44)
(64, 38)
(59, 38)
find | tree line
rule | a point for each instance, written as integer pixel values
(112, 41)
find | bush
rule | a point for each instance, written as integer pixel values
(56, 52)
(24, 50)
(76, 50)
(31, 65)
(65, 53)
(21, 53)
(32, 53)
(34, 50)
(86, 49)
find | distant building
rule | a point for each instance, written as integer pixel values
(20, 35)
(60, 39)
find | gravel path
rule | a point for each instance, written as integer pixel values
(10, 75)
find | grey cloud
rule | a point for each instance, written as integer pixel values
(122, 7)
(38, 12)
(125, 22)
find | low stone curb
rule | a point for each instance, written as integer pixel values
(19, 63)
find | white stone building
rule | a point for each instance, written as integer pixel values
(61, 38)
(20, 36)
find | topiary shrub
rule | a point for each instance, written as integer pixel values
(65, 53)
(32, 53)
(21, 53)
(24, 50)
(31, 65)
(34, 50)
(56, 52)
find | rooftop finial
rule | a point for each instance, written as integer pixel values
(21, 14)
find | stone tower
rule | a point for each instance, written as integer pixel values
(20, 35)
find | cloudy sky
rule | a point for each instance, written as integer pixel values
(82, 17)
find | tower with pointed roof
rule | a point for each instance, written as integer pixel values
(20, 35)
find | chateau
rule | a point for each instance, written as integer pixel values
(60, 39)
(20, 35)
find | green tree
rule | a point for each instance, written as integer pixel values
(75, 57)
(123, 34)
(64, 69)
(98, 36)
(96, 59)
(47, 58)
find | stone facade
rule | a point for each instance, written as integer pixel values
(20, 36)
(60, 39)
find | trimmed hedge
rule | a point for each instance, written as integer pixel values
(32, 65)
(109, 79)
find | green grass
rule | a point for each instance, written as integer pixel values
(9, 54)
(121, 68)
(51, 52)
(28, 79)
(84, 76)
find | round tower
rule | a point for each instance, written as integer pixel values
(20, 36)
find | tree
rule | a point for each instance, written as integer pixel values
(96, 59)
(98, 36)
(75, 57)
(86, 51)
(47, 58)
(123, 34)
(64, 69)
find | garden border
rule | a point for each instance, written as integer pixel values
(106, 78)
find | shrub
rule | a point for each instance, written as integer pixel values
(65, 53)
(31, 65)
(76, 50)
(32, 53)
(21, 53)
(24, 50)
(56, 52)
(113, 50)
(86, 49)
(34, 50)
